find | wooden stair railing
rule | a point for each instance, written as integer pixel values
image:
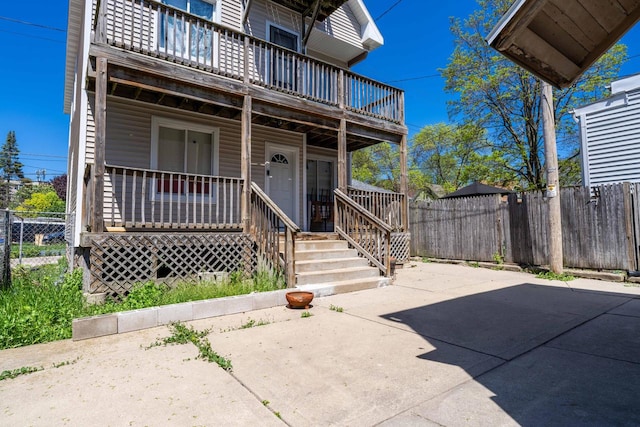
(267, 219)
(369, 235)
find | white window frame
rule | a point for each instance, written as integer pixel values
(215, 42)
(270, 24)
(157, 123)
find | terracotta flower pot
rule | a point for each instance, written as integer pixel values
(299, 299)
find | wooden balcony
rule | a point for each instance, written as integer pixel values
(159, 31)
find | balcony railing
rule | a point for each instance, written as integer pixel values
(388, 207)
(153, 199)
(162, 31)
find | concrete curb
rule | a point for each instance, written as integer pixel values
(128, 321)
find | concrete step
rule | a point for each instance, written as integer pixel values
(344, 286)
(329, 264)
(311, 245)
(322, 254)
(329, 276)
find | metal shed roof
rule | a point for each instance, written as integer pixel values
(476, 189)
(557, 40)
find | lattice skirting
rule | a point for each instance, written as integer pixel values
(117, 261)
(400, 246)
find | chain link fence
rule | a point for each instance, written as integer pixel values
(31, 240)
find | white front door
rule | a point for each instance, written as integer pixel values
(281, 179)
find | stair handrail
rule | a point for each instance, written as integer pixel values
(368, 234)
(266, 219)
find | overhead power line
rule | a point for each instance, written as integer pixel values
(388, 10)
(32, 24)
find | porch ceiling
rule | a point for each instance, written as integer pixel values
(305, 7)
(320, 132)
(558, 40)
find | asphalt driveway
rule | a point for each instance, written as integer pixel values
(444, 345)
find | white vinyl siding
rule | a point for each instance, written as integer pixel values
(611, 142)
(343, 25)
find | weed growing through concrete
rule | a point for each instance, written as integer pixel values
(306, 314)
(251, 323)
(25, 370)
(66, 363)
(336, 308)
(265, 402)
(181, 334)
(550, 275)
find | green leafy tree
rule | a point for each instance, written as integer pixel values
(378, 165)
(47, 201)
(454, 155)
(10, 165)
(26, 190)
(503, 98)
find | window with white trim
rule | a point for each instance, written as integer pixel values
(189, 40)
(183, 147)
(282, 64)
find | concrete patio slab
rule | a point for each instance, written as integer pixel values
(334, 368)
(613, 336)
(115, 381)
(444, 345)
(630, 308)
(547, 387)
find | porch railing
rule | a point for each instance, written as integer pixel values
(159, 30)
(388, 207)
(144, 198)
(369, 235)
(267, 223)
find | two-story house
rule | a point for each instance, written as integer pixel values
(214, 135)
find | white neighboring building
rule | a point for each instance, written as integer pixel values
(610, 135)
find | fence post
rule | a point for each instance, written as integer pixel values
(628, 223)
(6, 256)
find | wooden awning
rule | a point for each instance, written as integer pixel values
(558, 40)
(306, 7)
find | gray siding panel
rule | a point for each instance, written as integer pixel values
(613, 142)
(343, 25)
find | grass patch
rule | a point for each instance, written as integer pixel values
(550, 275)
(30, 250)
(41, 303)
(39, 306)
(150, 294)
(305, 314)
(181, 334)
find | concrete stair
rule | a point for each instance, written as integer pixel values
(326, 264)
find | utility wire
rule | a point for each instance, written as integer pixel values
(388, 10)
(46, 27)
(32, 36)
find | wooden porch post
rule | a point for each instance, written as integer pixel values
(404, 183)
(342, 156)
(100, 117)
(245, 154)
(100, 34)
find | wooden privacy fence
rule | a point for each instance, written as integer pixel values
(600, 227)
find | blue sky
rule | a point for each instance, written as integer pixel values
(417, 44)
